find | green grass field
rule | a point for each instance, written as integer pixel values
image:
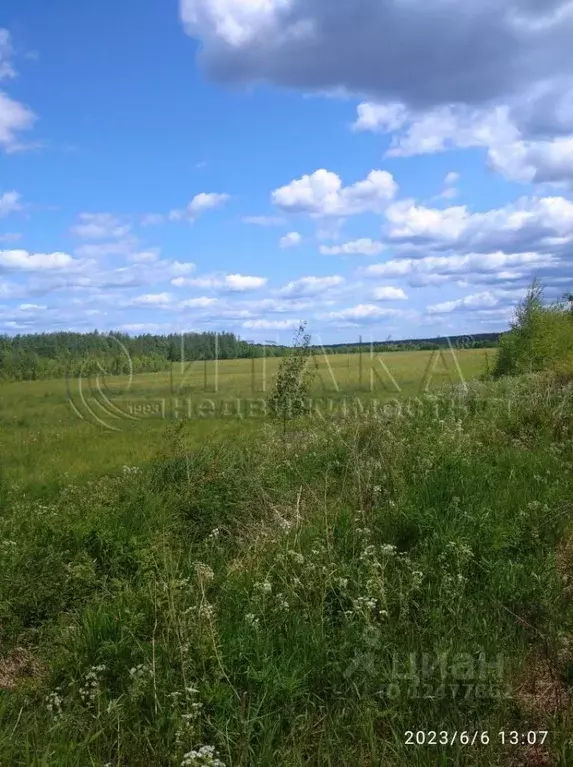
(379, 586)
(111, 422)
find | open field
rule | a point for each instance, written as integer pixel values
(113, 421)
(391, 587)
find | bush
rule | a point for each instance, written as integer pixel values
(289, 399)
(541, 338)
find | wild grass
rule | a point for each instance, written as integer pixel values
(294, 600)
(53, 432)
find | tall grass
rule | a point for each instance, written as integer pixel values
(306, 600)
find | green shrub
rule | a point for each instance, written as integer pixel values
(541, 338)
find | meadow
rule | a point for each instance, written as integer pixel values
(386, 583)
(58, 430)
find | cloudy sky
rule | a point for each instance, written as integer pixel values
(384, 168)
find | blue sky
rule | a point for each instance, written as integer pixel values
(379, 168)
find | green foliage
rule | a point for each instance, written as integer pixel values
(541, 338)
(265, 596)
(289, 398)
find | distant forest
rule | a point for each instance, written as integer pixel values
(56, 355)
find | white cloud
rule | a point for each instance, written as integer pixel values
(547, 160)
(388, 293)
(290, 240)
(407, 220)
(503, 266)
(21, 260)
(32, 307)
(153, 299)
(277, 306)
(272, 324)
(450, 190)
(322, 194)
(362, 313)
(380, 118)
(233, 283)
(10, 203)
(93, 250)
(239, 283)
(310, 286)
(200, 204)
(484, 300)
(143, 257)
(100, 226)
(14, 118)
(451, 127)
(197, 303)
(363, 247)
(530, 224)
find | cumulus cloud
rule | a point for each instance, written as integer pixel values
(200, 204)
(362, 247)
(14, 116)
(310, 286)
(542, 224)
(322, 194)
(361, 314)
(100, 226)
(232, 283)
(10, 203)
(290, 240)
(421, 54)
(197, 303)
(271, 324)
(438, 129)
(500, 267)
(508, 149)
(476, 302)
(388, 293)
(22, 260)
(539, 162)
(240, 283)
(153, 299)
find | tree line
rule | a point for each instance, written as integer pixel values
(38, 356)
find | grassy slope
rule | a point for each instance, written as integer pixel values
(277, 600)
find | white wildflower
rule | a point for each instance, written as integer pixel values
(204, 572)
(206, 756)
(206, 610)
(265, 587)
(296, 556)
(252, 620)
(282, 603)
